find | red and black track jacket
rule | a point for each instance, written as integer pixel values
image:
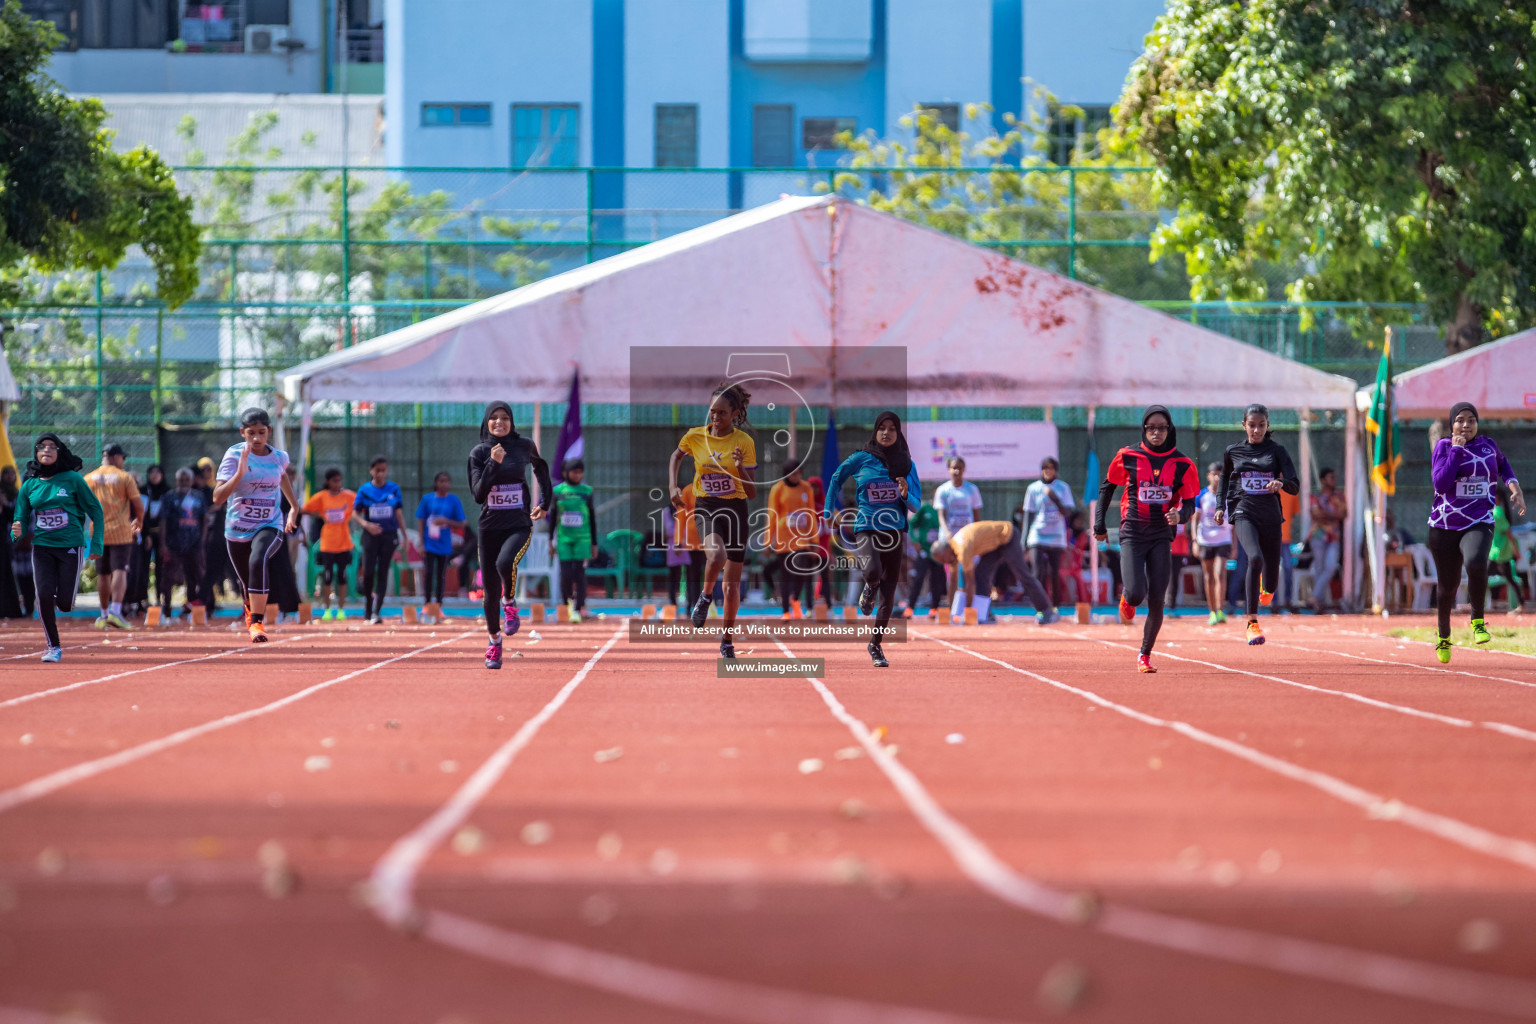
(1153, 482)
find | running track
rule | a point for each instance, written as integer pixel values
(336, 828)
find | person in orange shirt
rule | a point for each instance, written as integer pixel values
(1290, 508)
(333, 506)
(793, 528)
(123, 511)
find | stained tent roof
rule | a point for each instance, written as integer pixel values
(1498, 378)
(821, 274)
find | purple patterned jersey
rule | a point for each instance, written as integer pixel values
(1465, 480)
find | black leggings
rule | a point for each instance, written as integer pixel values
(1516, 581)
(1145, 566)
(1261, 543)
(932, 573)
(879, 553)
(56, 574)
(1048, 571)
(500, 551)
(435, 569)
(797, 577)
(373, 570)
(250, 558)
(573, 582)
(1452, 550)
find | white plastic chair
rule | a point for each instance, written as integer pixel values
(1096, 589)
(1425, 578)
(539, 563)
(1195, 587)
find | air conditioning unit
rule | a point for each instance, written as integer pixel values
(265, 38)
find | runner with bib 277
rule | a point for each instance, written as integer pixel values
(1253, 473)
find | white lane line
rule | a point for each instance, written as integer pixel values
(392, 894)
(26, 697)
(1437, 669)
(1426, 643)
(1377, 972)
(55, 781)
(1359, 698)
(1472, 837)
(39, 653)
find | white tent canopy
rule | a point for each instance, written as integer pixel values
(826, 275)
(1499, 378)
(9, 392)
(820, 273)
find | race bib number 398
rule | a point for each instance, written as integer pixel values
(51, 519)
(718, 485)
(882, 492)
(1154, 494)
(505, 496)
(1472, 488)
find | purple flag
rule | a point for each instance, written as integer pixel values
(569, 446)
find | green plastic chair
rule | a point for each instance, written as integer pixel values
(614, 576)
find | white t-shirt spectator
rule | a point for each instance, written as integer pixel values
(959, 504)
(1048, 528)
(1207, 533)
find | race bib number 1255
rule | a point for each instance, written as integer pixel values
(1154, 494)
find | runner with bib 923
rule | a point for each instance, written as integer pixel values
(498, 480)
(887, 489)
(251, 476)
(1161, 485)
(1467, 470)
(53, 504)
(1253, 473)
(724, 479)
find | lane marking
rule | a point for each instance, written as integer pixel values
(392, 895)
(1426, 643)
(1379, 972)
(39, 653)
(1402, 709)
(1436, 669)
(55, 781)
(38, 695)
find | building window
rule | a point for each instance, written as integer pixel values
(544, 135)
(773, 135)
(1074, 129)
(822, 132)
(947, 114)
(442, 115)
(677, 135)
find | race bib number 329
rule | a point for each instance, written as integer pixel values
(51, 519)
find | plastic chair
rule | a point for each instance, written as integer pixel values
(1425, 578)
(613, 574)
(1097, 588)
(538, 563)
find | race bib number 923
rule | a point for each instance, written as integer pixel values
(882, 492)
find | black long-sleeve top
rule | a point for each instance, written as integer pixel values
(1154, 483)
(1246, 471)
(502, 488)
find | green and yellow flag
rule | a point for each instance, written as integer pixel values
(1386, 452)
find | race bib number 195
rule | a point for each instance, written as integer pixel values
(1154, 494)
(1472, 488)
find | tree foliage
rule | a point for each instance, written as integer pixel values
(1001, 190)
(1386, 149)
(67, 200)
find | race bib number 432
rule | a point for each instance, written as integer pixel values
(1257, 483)
(718, 485)
(882, 492)
(1154, 494)
(1472, 488)
(505, 496)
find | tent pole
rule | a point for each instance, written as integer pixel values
(1353, 500)
(1379, 554)
(1093, 512)
(794, 448)
(306, 419)
(1303, 524)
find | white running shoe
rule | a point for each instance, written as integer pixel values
(53, 654)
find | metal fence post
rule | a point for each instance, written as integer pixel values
(589, 214)
(346, 237)
(1072, 222)
(100, 388)
(159, 362)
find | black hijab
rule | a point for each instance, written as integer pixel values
(1171, 442)
(1461, 407)
(67, 461)
(897, 458)
(156, 491)
(485, 429)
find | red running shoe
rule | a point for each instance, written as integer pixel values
(1144, 664)
(1127, 611)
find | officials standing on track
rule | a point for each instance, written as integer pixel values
(1468, 470)
(53, 506)
(498, 479)
(1253, 473)
(1161, 484)
(380, 509)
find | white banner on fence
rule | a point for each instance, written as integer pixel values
(992, 449)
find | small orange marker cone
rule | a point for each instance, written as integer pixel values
(943, 616)
(152, 617)
(970, 617)
(821, 613)
(1084, 613)
(306, 613)
(563, 613)
(199, 615)
(409, 614)
(668, 612)
(647, 611)
(536, 613)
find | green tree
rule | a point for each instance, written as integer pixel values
(67, 200)
(1386, 149)
(984, 191)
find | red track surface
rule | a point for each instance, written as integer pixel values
(730, 885)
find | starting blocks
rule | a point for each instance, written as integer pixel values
(199, 615)
(536, 613)
(647, 611)
(152, 617)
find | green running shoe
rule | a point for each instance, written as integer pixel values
(1214, 620)
(1443, 651)
(1480, 634)
(329, 616)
